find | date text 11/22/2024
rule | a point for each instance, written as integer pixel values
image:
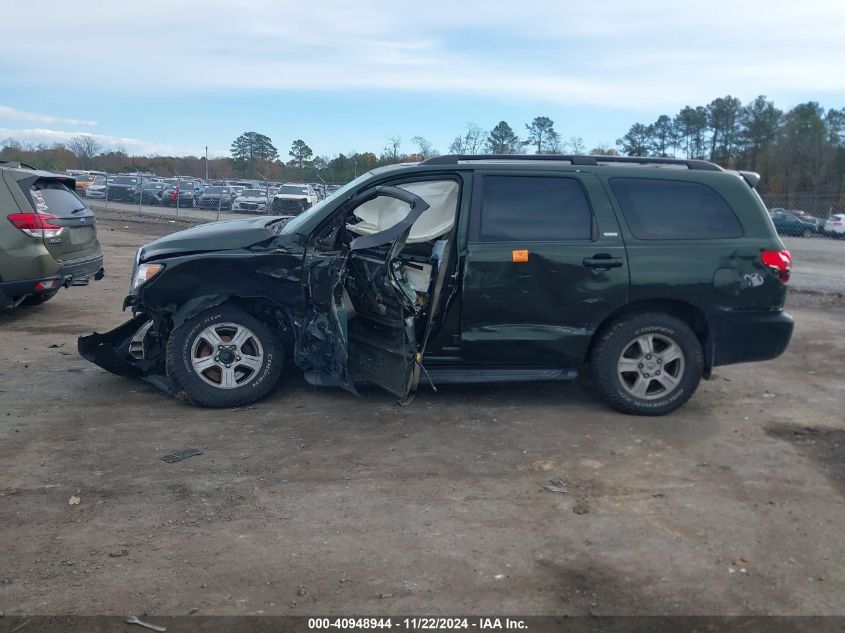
(418, 623)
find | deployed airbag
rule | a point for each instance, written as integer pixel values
(383, 212)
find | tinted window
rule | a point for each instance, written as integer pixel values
(674, 210)
(534, 208)
(54, 197)
(294, 190)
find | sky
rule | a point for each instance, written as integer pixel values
(174, 76)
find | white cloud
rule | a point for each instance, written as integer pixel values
(645, 54)
(22, 115)
(132, 146)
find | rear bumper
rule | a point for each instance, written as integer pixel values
(743, 337)
(73, 273)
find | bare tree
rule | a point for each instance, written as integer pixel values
(391, 150)
(472, 141)
(575, 144)
(424, 147)
(85, 147)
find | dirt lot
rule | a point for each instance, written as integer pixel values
(314, 501)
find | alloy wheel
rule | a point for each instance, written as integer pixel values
(651, 366)
(227, 355)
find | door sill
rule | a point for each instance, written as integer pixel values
(463, 375)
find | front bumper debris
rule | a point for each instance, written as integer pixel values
(112, 351)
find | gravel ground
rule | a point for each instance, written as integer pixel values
(315, 501)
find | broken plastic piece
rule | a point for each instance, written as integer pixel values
(178, 456)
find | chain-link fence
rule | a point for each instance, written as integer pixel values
(806, 214)
(816, 205)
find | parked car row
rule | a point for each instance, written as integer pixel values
(242, 196)
(797, 223)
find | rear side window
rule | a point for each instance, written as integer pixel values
(674, 210)
(54, 197)
(534, 209)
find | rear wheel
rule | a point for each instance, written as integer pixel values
(647, 363)
(224, 357)
(807, 233)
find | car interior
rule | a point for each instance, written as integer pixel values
(392, 284)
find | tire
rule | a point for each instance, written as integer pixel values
(619, 376)
(807, 233)
(37, 300)
(214, 384)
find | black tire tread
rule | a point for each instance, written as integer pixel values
(606, 349)
(193, 389)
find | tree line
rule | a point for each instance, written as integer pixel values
(800, 150)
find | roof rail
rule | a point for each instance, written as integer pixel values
(17, 164)
(574, 159)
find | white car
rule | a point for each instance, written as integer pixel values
(835, 225)
(96, 190)
(293, 199)
(251, 201)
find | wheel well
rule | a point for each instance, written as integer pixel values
(682, 310)
(268, 312)
(273, 315)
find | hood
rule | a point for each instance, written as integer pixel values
(214, 236)
(291, 196)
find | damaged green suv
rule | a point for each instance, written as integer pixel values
(465, 269)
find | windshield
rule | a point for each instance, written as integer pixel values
(303, 218)
(125, 180)
(292, 189)
(252, 193)
(214, 190)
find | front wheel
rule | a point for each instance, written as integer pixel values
(224, 357)
(647, 363)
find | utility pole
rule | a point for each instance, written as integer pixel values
(206, 163)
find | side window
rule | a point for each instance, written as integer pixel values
(674, 210)
(534, 209)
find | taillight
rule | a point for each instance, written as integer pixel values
(36, 224)
(779, 261)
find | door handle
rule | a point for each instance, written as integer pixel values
(602, 262)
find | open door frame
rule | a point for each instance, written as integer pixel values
(382, 352)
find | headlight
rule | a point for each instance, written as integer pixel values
(143, 274)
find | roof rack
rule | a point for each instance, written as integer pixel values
(14, 164)
(574, 159)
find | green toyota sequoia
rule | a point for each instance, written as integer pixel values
(465, 269)
(48, 237)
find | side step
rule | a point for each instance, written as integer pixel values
(458, 375)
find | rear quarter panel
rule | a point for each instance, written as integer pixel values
(715, 275)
